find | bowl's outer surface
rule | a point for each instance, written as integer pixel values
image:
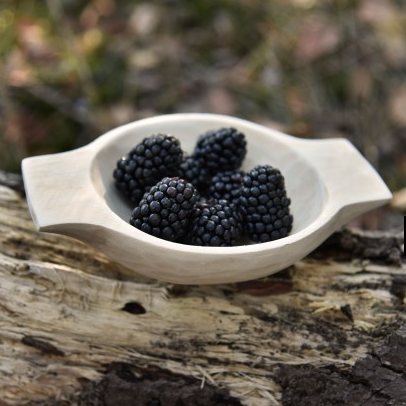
(73, 193)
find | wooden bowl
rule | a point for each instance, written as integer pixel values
(73, 193)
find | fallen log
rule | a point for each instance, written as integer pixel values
(78, 329)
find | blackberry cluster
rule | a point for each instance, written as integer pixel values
(205, 198)
(126, 182)
(148, 162)
(216, 224)
(193, 172)
(227, 185)
(221, 150)
(165, 211)
(264, 204)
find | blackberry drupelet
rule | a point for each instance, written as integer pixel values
(191, 170)
(216, 223)
(227, 185)
(155, 157)
(221, 150)
(265, 205)
(166, 210)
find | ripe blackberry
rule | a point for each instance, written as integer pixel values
(226, 185)
(126, 183)
(221, 150)
(153, 158)
(265, 205)
(191, 170)
(216, 223)
(165, 211)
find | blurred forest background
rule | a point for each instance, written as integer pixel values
(73, 69)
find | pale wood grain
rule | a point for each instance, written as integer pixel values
(68, 300)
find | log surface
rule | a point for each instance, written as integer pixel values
(78, 329)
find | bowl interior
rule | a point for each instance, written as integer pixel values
(264, 146)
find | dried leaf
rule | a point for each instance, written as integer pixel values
(34, 41)
(144, 19)
(17, 70)
(377, 12)
(318, 36)
(398, 106)
(220, 101)
(25, 129)
(361, 82)
(105, 7)
(388, 21)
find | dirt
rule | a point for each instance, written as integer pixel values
(128, 385)
(349, 243)
(379, 379)
(376, 380)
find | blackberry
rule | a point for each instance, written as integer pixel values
(226, 185)
(221, 150)
(165, 211)
(265, 205)
(216, 223)
(191, 170)
(126, 183)
(153, 158)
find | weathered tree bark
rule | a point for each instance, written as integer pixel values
(77, 329)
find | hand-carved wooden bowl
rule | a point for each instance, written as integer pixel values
(73, 193)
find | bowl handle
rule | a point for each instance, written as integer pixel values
(353, 186)
(59, 189)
